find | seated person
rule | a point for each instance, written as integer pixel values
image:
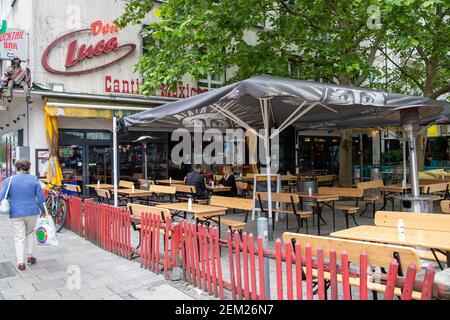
(228, 180)
(194, 178)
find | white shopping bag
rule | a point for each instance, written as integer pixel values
(46, 231)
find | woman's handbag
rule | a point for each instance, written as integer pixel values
(5, 205)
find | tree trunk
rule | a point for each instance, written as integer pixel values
(345, 158)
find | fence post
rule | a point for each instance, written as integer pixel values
(264, 234)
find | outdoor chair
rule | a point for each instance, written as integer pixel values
(326, 181)
(445, 206)
(145, 184)
(74, 188)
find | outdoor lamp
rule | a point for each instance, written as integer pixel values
(144, 140)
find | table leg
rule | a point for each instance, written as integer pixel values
(448, 259)
(319, 217)
(334, 218)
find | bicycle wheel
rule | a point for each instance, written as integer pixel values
(59, 214)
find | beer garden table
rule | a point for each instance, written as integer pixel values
(200, 211)
(439, 240)
(325, 200)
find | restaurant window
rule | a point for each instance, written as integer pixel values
(99, 136)
(213, 81)
(71, 135)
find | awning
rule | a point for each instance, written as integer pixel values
(88, 109)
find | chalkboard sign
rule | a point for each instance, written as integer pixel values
(66, 152)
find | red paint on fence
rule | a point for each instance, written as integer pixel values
(245, 259)
(289, 278)
(230, 259)
(409, 282)
(363, 276)
(427, 287)
(262, 289)
(320, 272)
(251, 241)
(345, 276)
(299, 271)
(392, 277)
(333, 275)
(279, 270)
(309, 281)
(237, 250)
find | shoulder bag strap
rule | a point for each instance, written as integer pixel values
(9, 186)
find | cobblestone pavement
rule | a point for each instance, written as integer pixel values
(103, 274)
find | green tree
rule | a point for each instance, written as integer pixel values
(328, 40)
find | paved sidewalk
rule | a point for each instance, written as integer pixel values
(103, 274)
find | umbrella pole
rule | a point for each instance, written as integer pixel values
(404, 161)
(115, 162)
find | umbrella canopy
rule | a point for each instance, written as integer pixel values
(303, 104)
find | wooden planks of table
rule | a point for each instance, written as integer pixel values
(412, 238)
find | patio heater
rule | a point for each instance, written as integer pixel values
(144, 140)
(409, 119)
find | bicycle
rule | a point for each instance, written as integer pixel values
(56, 204)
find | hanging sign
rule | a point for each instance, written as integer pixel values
(66, 152)
(83, 56)
(14, 42)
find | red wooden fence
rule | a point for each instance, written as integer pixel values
(197, 249)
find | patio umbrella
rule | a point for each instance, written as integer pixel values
(54, 173)
(273, 102)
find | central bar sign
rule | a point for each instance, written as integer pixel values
(77, 53)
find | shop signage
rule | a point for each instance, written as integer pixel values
(78, 52)
(131, 86)
(4, 27)
(66, 152)
(14, 42)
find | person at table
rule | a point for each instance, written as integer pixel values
(196, 179)
(228, 180)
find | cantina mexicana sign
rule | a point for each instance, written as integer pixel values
(78, 52)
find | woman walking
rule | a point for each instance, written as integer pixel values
(27, 201)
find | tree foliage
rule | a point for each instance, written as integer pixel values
(329, 40)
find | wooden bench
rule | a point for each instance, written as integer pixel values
(126, 184)
(420, 221)
(345, 193)
(77, 189)
(103, 195)
(143, 182)
(289, 199)
(183, 192)
(136, 212)
(371, 199)
(245, 205)
(161, 190)
(445, 206)
(438, 189)
(327, 180)
(243, 186)
(378, 255)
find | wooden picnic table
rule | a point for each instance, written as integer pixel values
(169, 182)
(200, 211)
(218, 188)
(412, 237)
(104, 186)
(325, 199)
(136, 193)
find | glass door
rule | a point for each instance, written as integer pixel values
(99, 164)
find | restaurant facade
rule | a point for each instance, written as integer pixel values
(82, 66)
